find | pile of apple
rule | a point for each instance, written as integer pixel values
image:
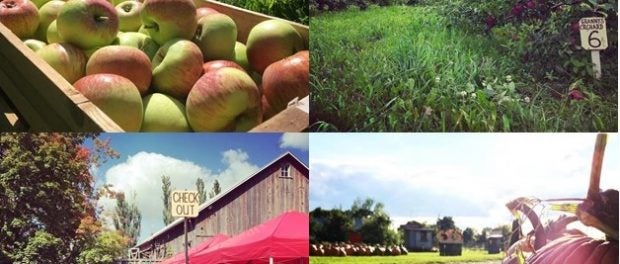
(165, 65)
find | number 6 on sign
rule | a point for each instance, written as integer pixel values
(593, 32)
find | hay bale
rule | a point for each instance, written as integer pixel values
(403, 250)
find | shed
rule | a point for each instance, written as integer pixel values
(417, 237)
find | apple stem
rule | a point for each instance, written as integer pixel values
(101, 18)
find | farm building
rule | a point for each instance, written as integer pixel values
(417, 237)
(278, 187)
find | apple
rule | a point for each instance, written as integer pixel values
(163, 113)
(40, 3)
(268, 111)
(218, 64)
(224, 100)
(176, 67)
(66, 59)
(87, 23)
(20, 16)
(169, 19)
(138, 40)
(128, 62)
(204, 11)
(241, 57)
(129, 15)
(271, 41)
(286, 79)
(116, 96)
(34, 44)
(216, 36)
(52, 33)
(47, 14)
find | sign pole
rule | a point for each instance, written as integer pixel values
(596, 60)
(185, 231)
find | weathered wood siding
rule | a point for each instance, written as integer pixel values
(264, 196)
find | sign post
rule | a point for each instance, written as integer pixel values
(184, 204)
(593, 32)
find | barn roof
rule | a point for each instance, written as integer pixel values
(221, 195)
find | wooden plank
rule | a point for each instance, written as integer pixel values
(41, 95)
(246, 19)
(291, 119)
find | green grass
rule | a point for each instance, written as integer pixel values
(403, 69)
(293, 10)
(412, 258)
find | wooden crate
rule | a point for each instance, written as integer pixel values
(34, 97)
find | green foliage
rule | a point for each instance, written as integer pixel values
(42, 248)
(165, 188)
(329, 225)
(46, 190)
(294, 10)
(127, 219)
(202, 194)
(468, 236)
(215, 190)
(445, 223)
(407, 68)
(108, 247)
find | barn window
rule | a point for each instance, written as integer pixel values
(285, 171)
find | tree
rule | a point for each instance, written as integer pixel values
(216, 189)
(468, 236)
(329, 225)
(481, 239)
(127, 219)
(42, 248)
(46, 189)
(202, 194)
(107, 248)
(445, 223)
(165, 188)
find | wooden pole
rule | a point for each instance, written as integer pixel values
(185, 231)
(596, 60)
(597, 164)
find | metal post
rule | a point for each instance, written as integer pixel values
(185, 231)
(596, 61)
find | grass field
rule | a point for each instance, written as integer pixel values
(412, 258)
(403, 69)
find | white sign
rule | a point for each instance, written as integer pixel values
(184, 203)
(593, 31)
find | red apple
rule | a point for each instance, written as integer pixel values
(204, 11)
(271, 41)
(224, 100)
(128, 62)
(20, 16)
(286, 79)
(268, 111)
(87, 23)
(169, 19)
(176, 67)
(218, 64)
(66, 59)
(116, 96)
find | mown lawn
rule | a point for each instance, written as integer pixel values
(404, 68)
(413, 258)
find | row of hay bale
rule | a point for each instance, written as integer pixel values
(358, 249)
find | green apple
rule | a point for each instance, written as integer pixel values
(40, 3)
(138, 40)
(34, 44)
(47, 14)
(224, 100)
(52, 33)
(87, 23)
(116, 96)
(241, 57)
(20, 16)
(216, 36)
(271, 41)
(176, 67)
(163, 113)
(169, 19)
(129, 15)
(66, 59)
(128, 62)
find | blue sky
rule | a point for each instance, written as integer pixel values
(467, 176)
(227, 157)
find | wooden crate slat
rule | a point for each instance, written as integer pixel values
(292, 119)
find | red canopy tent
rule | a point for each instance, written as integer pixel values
(180, 258)
(284, 239)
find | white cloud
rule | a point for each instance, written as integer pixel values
(141, 174)
(295, 140)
